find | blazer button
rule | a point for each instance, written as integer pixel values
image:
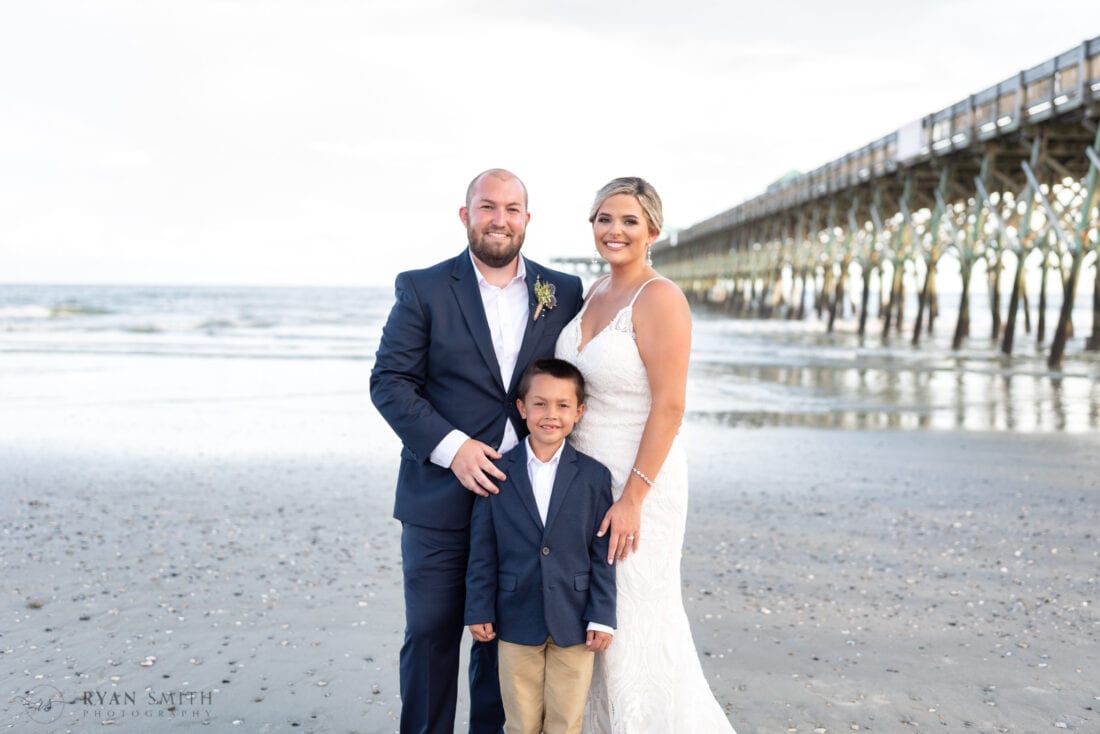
(545, 551)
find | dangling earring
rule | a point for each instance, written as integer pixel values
(596, 256)
(649, 255)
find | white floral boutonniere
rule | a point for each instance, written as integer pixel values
(545, 297)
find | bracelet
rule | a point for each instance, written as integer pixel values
(647, 480)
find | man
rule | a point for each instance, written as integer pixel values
(456, 342)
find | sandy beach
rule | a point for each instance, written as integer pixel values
(215, 551)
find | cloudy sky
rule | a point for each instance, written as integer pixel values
(330, 142)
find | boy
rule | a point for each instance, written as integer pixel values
(538, 577)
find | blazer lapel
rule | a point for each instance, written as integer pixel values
(567, 471)
(467, 293)
(518, 474)
(532, 335)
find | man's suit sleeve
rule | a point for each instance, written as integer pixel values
(601, 589)
(481, 569)
(400, 371)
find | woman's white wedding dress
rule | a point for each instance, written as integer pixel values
(650, 679)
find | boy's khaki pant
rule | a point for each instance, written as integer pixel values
(544, 687)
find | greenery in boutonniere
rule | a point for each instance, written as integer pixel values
(544, 296)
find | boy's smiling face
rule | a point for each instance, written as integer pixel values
(550, 409)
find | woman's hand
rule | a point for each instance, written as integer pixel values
(625, 521)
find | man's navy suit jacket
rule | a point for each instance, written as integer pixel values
(435, 370)
(534, 581)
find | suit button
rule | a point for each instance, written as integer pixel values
(545, 551)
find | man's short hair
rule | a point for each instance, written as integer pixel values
(558, 368)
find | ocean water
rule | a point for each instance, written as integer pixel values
(212, 322)
(222, 343)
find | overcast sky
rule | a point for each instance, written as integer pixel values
(324, 142)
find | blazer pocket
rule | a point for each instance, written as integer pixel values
(406, 453)
(506, 582)
(580, 582)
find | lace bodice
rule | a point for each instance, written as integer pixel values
(618, 399)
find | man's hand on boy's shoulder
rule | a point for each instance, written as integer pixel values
(483, 632)
(597, 640)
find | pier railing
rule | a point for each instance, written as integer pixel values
(1004, 178)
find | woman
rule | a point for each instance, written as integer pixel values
(631, 341)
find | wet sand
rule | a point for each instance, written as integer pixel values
(243, 553)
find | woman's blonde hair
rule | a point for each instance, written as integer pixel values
(641, 190)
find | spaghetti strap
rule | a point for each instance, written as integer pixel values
(597, 284)
(642, 287)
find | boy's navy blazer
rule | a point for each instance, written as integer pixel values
(534, 581)
(436, 370)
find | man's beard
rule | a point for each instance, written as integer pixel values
(492, 254)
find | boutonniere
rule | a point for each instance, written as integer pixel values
(545, 297)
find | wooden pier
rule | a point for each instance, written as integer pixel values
(1006, 178)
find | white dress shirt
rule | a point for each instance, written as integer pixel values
(542, 475)
(507, 310)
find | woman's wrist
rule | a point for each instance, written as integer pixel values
(634, 492)
(642, 475)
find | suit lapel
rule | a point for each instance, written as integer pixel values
(518, 474)
(567, 471)
(467, 293)
(532, 334)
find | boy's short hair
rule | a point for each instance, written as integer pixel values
(558, 368)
